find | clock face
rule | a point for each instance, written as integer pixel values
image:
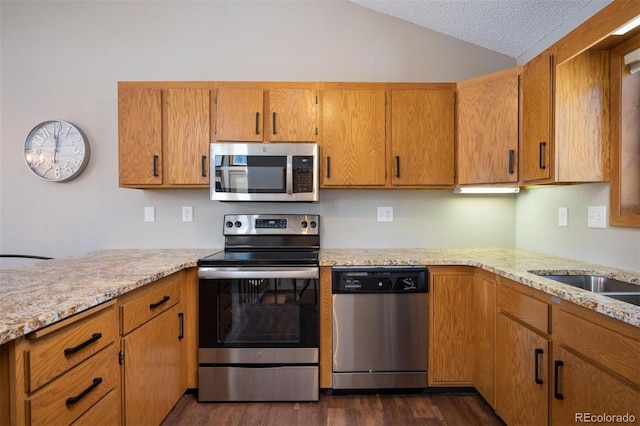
(56, 151)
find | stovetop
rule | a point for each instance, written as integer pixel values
(268, 240)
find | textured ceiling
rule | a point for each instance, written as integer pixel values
(510, 27)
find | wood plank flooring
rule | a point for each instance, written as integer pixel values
(337, 410)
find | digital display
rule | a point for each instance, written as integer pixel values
(271, 223)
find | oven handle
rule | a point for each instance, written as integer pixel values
(258, 272)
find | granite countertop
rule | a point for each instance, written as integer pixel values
(517, 265)
(39, 294)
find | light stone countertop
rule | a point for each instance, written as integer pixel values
(514, 264)
(39, 294)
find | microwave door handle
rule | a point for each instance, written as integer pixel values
(289, 176)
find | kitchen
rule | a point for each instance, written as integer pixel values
(54, 75)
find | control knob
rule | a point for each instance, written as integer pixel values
(304, 224)
(228, 224)
(238, 224)
(313, 224)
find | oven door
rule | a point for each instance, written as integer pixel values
(254, 307)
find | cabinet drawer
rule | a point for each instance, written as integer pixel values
(57, 352)
(525, 308)
(153, 301)
(105, 412)
(88, 383)
(614, 351)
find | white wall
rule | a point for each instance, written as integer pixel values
(537, 226)
(64, 59)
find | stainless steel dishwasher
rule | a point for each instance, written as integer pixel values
(379, 327)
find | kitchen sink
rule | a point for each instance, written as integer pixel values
(610, 287)
(595, 283)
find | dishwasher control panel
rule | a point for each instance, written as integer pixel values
(376, 279)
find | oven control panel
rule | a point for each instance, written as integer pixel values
(265, 224)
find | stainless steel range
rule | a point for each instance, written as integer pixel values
(258, 311)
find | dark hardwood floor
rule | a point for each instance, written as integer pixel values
(362, 410)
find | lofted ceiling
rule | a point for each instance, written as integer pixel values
(510, 27)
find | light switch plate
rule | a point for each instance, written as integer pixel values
(149, 214)
(563, 216)
(597, 217)
(385, 214)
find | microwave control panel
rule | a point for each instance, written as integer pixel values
(302, 173)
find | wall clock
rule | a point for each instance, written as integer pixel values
(56, 151)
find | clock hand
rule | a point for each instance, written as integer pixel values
(56, 135)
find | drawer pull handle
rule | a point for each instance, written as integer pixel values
(75, 399)
(556, 382)
(397, 166)
(181, 316)
(155, 166)
(95, 337)
(257, 123)
(203, 166)
(162, 302)
(537, 354)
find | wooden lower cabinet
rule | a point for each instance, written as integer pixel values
(152, 369)
(152, 350)
(61, 373)
(582, 391)
(484, 334)
(450, 326)
(521, 377)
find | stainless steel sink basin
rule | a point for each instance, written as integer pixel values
(596, 284)
(633, 298)
(610, 287)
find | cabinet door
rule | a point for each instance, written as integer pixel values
(521, 374)
(581, 389)
(451, 329)
(422, 137)
(152, 370)
(292, 115)
(488, 129)
(353, 138)
(140, 136)
(188, 134)
(484, 323)
(537, 103)
(239, 114)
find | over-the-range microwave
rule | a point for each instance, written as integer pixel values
(264, 171)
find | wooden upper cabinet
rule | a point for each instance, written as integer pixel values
(139, 135)
(422, 137)
(292, 115)
(239, 114)
(566, 119)
(188, 134)
(352, 132)
(625, 134)
(164, 131)
(488, 128)
(537, 119)
(259, 112)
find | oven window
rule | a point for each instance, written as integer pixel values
(259, 313)
(242, 174)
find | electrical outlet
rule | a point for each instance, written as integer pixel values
(385, 214)
(187, 214)
(596, 217)
(563, 216)
(149, 214)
